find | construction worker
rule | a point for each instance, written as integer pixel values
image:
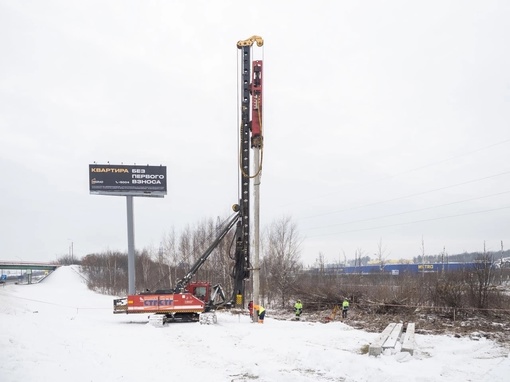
(298, 309)
(345, 308)
(261, 312)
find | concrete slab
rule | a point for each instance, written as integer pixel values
(393, 338)
(408, 343)
(376, 347)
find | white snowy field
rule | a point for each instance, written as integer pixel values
(58, 330)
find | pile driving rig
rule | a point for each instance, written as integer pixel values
(198, 301)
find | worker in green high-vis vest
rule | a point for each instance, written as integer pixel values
(345, 308)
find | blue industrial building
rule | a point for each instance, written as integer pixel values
(399, 269)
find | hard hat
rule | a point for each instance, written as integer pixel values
(298, 300)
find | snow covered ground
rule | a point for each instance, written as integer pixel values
(58, 330)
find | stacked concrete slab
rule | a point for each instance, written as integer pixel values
(389, 338)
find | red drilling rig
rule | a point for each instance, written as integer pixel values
(197, 301)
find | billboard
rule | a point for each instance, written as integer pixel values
(110, 179)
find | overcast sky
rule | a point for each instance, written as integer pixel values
(385, 122)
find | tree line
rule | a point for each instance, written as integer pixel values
(283, 278)
(162, 267)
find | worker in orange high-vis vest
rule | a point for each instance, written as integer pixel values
(261, 312)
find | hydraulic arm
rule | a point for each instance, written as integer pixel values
(182, 283)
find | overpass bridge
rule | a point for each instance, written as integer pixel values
(27, 267)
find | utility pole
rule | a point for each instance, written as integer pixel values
(501, 265)
(422, 256)
(442, 259)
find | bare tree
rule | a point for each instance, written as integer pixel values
(281, 258)
(144, 260)
(185, 252)
(481, 280)
(170, 255)
(381, 255)
(358, 256)
(106, 272)
(450, 290)
(422, 248)
(320, 262)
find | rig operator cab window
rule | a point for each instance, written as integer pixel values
(200, 292)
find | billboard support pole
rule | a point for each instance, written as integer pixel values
(131, 245)
(128, 181)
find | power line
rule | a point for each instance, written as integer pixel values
(407, 196)
(446, 160)
(411, 211)
(412, 222)
(371, 182)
